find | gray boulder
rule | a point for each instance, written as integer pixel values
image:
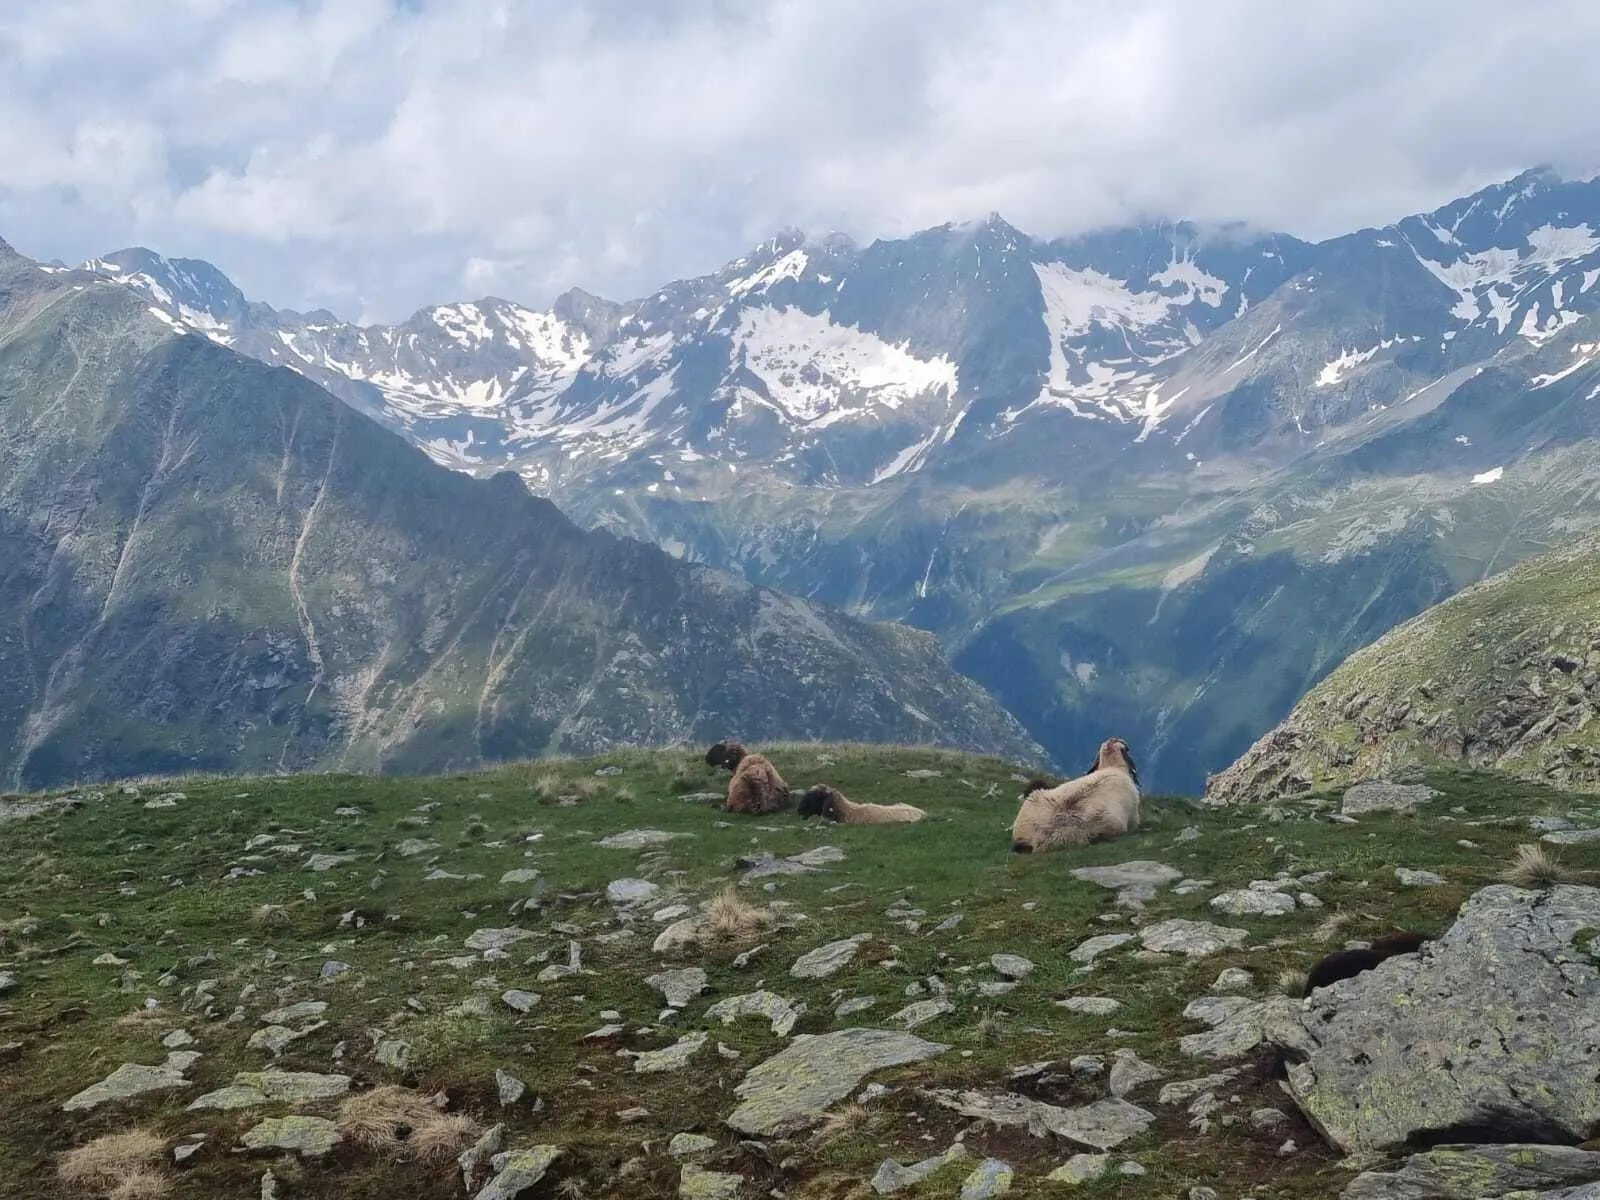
(1479, 1173)
(1491, 1028)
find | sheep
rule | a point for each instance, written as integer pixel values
(1099, 805)
(1344, 964)
(830, 803)
(725, 754)
(756, 787)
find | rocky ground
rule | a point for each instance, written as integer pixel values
(578, 978)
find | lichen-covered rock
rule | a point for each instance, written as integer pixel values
(793, 1088)
(780, 1012)
(690, 1145)
(1103, 1125)
(1194, 939)
(892, 1177)
(1379, 795)
(1081, 1168)
(1240, 1028)
(252, 1088)
(518, 1171)
(1250, 902)
(291, 1013)
(475, 1160)
(1090, 949)
(626, 892)
(1011, 966)
(672, 1058)
(127, 1081)
(990, 1178)
(679, 987)
(1129, 1071)
(921, 1012)
(1492, 1026)
(309, 1137)
(825, 960)
(497, 939)
(696, 1183)
(1479, 1173)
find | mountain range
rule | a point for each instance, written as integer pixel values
(1159, 479)
(211, 564)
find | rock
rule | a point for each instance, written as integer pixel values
(1011, 966)
(680, 935)
(923, 1011)
(679, 987)
(792, 1089)
(520, 875)
(1379, 795)
(1571, 837)
(627, 892)
(609, 1030)
(695, 1183)
(672, 1058)
(848, 1008)
(1410, 878)
(997, 987)
(1081, 1168)
(8, 982)
(518, 1171)
(334, 968)
(1192, 938)
(497, 939)
(1087, 951)
(1475, 1172)
(1102, 1125)
(639, 839)
(127, 1081)
(1214, 1010)
(825, 960)
(990, 1178)
(305, 1010)
(690, 1145)
(818, 856)
(1273, 1021)
(1267, 1119)
(275, 1039)
(412, 847)
(1140, 874)
(309, 1137)
(892, 1177)
(1492, 1026)
(1087, 1066)
(178, 1039)
(182, 1154)
(269, 1185)
(1129, 1071)
(475, 1160)
(328, 862)
(1234, 979)
(509, 1088)
(1090, 1006)
(1187, 1089)
(252, 1088)
(519, 1001)
(1251, 903)
(394, 1054)
(780, 1012)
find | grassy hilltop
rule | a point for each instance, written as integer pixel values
(109, 904)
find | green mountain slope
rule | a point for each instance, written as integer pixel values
(1505, 674)
(210, 563)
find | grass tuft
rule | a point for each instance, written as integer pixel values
(399, 1123)
(112, 1159)
(731, 919)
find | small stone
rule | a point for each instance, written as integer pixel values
(519, 1000)
(1202, 1193)
(289, 1014)
(855, 1004)
(328, 862)
(1010, 966)
(178, 1039)
(825, 960)
(990, 1178)
(183, 1153)
(1267, 1119)
(892, 1177)
(1571, 837)
(923, 1011)
(518, 1171)
(818, 856)
(696, 1183)
(1234, 979)
(127, 1081)
(672, 1058)
(1129, 1071)
(394, 1054)
(476, 1159)
(1410, 878)
(690, 1145)
(1380, 795)
(275, 1039)
(630, 891)
(680, 935)
(412, 847)
(520, 875)
(1002, 987)
(1087, 951)
(639, 839)
(1194, 939)
(497, 939)
(1090, 1006)
(1080, 1168)
(780, 1012)
(1251, 903)
(632, 1116)
(679, 987)
(269, 1185)
(509, 1087)
(334, 968)
(1131, 1169)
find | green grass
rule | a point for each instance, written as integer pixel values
(147, 885)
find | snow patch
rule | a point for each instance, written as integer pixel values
(1492, 476)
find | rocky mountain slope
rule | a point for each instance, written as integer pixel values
(579, 979)
(209, 563)
(1165, 476)
(1505, 674)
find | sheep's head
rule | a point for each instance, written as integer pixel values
(1115, 754)
(817, 801)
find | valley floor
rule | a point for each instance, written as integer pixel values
(160, 924)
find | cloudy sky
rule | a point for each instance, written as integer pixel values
(376, 155)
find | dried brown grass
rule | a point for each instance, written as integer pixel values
(113, 1160)
(397, 1121)
(141, 1183)
(270, 914)
(1536, 868)
(730, 918)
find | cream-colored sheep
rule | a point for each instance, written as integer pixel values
(756, 786)
(830, 803)
(1095, 807)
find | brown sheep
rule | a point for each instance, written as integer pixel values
(725, 754)
(830, 803)
(1094, 807)
(756, 787)
(1344, 964)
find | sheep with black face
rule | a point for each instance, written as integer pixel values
(726, 754)
(1094, 807)
(831, 804)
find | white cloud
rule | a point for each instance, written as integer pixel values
(377, 155)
